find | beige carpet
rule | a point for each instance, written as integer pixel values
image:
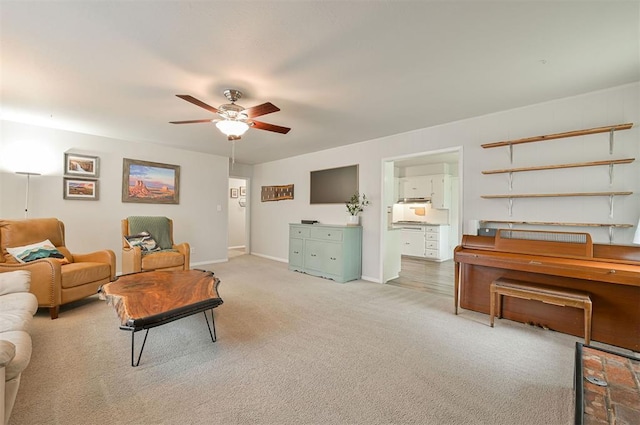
(296, 349)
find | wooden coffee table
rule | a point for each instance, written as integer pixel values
(149, 299)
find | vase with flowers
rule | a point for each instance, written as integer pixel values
(355, 205)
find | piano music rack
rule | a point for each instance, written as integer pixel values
(611, 226)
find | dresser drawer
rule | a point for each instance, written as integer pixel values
(326, 234)
(299, 232)
(431, 236)
(432, 253)
(432, 229)
(296, 252)
(432, 244)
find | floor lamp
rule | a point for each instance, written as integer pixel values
(26, 201)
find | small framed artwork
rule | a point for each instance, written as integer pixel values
(81, 165)
(150, 182)
(243, 191)
(234, 192)
(81, 189)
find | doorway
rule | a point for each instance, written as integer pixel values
(415, 270)
(238, 234)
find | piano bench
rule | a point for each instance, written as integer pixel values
(547, 294)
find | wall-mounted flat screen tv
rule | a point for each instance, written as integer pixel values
(334, 185)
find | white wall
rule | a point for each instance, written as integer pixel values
(613, 106)
(93, 225)
(237, 216)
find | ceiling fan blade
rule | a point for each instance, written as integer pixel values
(264, 109)
(189, 121)
(270, 127)
(197, 102)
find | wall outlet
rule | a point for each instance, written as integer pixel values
(192, 249)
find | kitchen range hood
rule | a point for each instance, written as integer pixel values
(414, 200)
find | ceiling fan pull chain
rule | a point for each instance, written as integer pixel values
(233, 152)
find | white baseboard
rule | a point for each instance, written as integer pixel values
(200, 263)
(370, 279)
(268, 257)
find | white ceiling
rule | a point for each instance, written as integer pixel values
(341, 71)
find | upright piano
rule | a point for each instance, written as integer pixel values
(609, 273)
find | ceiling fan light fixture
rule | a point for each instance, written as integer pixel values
(232, 127)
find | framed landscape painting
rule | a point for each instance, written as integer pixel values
(82, 189)
(80, 165)
(150, 182)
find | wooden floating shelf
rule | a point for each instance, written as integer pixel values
(558, 166)
(554, 195)
(560, 135)
(550, 223)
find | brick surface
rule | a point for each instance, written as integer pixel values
(595, 406)
(590, 420)
(626, 416)
(619, 374)
(593, 363)
(624, 396)
(619, 402)
(588, 386)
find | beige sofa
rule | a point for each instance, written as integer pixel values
(55, 282)
(17, 307)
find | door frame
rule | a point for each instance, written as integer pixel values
(384, 195)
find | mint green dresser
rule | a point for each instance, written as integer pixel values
(332, 252)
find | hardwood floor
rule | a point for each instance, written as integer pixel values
(426, 276)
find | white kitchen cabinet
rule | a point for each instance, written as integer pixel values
(416, 187)
(437, 243)
(440, 191)
(413, 242)
(426, 241)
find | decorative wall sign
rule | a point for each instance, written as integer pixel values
(84, 189)
(80, 165)
(277, 193)
(150, 182)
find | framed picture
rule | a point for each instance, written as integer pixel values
(243, 191)
(84, 189)
(150, 182)
(234, 192)
(81, 165)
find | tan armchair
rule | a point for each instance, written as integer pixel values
(170, 256)
(53, 282)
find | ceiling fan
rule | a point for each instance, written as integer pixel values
(234, 119)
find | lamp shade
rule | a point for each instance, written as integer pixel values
(636, 238)
(232, 127)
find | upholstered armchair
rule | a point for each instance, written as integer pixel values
(57, 276)
(147, 244)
